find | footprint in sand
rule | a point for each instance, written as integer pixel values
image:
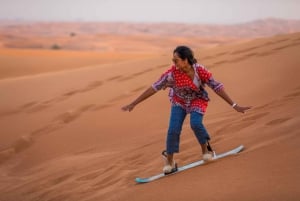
(280, 47)
(71, 115)
(38, 107)
(214, 56)
(34, 106)
(129, 77)
(7, 112)
(114, 78)
(263, 45)
(143, 72)
(237, 59)
(282, 40)
(28, 105)
(220, 62)
(6, 154)
(125, 78)
(285, 46)
(61, 179)
(277, 121)
(245, 50)
(68, 116)
(47, 129)
(293, 95)
(21, 144)
(251, 54)
(91, 86)
(71, 93)
(262, 54)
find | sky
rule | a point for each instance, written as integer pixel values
(181, 11)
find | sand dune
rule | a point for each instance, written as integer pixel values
(28, 62)
(257, 28)
(64, 137)
(115, 37)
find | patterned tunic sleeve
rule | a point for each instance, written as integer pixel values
(163, 80)
(207, 78)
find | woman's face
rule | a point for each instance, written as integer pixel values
(180, 63)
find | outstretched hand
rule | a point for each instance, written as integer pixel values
(146, 94)
(128, 108)
(241, 108)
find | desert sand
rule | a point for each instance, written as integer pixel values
(65, 137)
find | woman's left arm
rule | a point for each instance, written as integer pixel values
(222, 93)
(207, 78)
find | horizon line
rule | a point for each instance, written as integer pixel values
(17, 20)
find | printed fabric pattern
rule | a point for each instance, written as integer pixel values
(184, 92)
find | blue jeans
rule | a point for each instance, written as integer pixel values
(177, 117)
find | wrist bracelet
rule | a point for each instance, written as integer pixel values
(233, 105)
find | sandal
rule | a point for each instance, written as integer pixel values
(209, 155)
(168, 169)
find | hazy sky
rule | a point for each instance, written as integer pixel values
(187, 11)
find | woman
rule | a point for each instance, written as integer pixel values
(186, 80)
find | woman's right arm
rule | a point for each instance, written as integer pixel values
(146, 94)
(162, 83)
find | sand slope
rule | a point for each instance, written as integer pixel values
(64, 137)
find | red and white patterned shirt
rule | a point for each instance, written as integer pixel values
(185, 92)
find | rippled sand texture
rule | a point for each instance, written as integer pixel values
(64, 136)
